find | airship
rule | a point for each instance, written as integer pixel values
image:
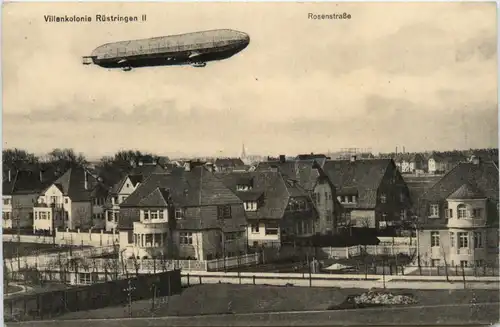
(195, 49)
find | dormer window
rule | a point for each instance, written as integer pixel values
(250, 205)
(179, 213)
(243, 187)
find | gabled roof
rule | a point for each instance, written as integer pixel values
(72, 184)
(195, 188)
(270, 184)
(28, 182)
(305, 172)
(134, 179)
(99, 191)
(158, 198)
(481, 177)
(363, 176)
(466, 192)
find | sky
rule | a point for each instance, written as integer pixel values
(418, 75)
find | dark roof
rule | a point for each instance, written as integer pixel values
(249, 195)
(270, 184)
(195, 188)
(158, 198)
(305, 172)
(466, 191)
(483, 177)
(72, 184)
(146, 170)
(363, 176)
(229, 162)
(99, 191)
(28, 181)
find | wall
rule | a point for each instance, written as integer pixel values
(261, 237)
(325, 207)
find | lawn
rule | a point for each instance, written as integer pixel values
(11, 249)
(236, 299)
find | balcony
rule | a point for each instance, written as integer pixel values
(48, 205)
(467, 222)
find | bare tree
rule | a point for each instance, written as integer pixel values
(7, 275)
(443, 253)
(137, 265)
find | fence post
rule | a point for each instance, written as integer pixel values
(200, 280)
(188, 279)
(254, 279)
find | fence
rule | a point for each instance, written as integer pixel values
(397, 240)
(45, 260)
(100, 295)
(353, 251)
(91, 238)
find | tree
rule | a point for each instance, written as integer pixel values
(443, 253)
(67, 155)
(17, 158)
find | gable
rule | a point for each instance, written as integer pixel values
(127, 187)
(53, 190)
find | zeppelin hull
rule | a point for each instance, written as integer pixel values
(185, 49)
(170, 58)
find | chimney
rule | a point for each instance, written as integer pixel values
(10, 177)
(353, 158)
(282, 158)
(85, 181)
(475, 160)
(404, 151)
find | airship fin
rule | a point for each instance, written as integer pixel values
(194, 54)
(122, 61)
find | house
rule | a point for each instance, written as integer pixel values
(65, 203)
(308, 175)
(458, 220)
(440, 163)
(371, 191)
(118, 193)
(20, 190)
(98, 196)
(227, 164)
(412, 162)
(184, 214)
(277, 209)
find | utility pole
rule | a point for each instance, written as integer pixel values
(129, 289)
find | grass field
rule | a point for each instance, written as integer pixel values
(241, 299)
(10, 249)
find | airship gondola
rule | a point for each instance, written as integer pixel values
(195, 49)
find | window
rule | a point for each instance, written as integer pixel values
(242, 187)
(463, 240)
(313, 197)
(478, 240)
(479, 263)
(223, 212)
(448, 213)
(85, 278)
(383, 198)
(130, 235)
(403, 214)
(434, 211)
(452, 239)
(461, 211)
(186, 238)
(6, 215)
(153, 214)
(271, 229)
(477, 213)
(250, 206)
(255, 228)
(6, 202)
(353, 198)
(434, 239)
(329, 215)
(463, 263)
(146, 214)
(435, 262)
(179, 213)
(66, 200)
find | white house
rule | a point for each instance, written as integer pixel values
(120, 191)
(66, 203)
